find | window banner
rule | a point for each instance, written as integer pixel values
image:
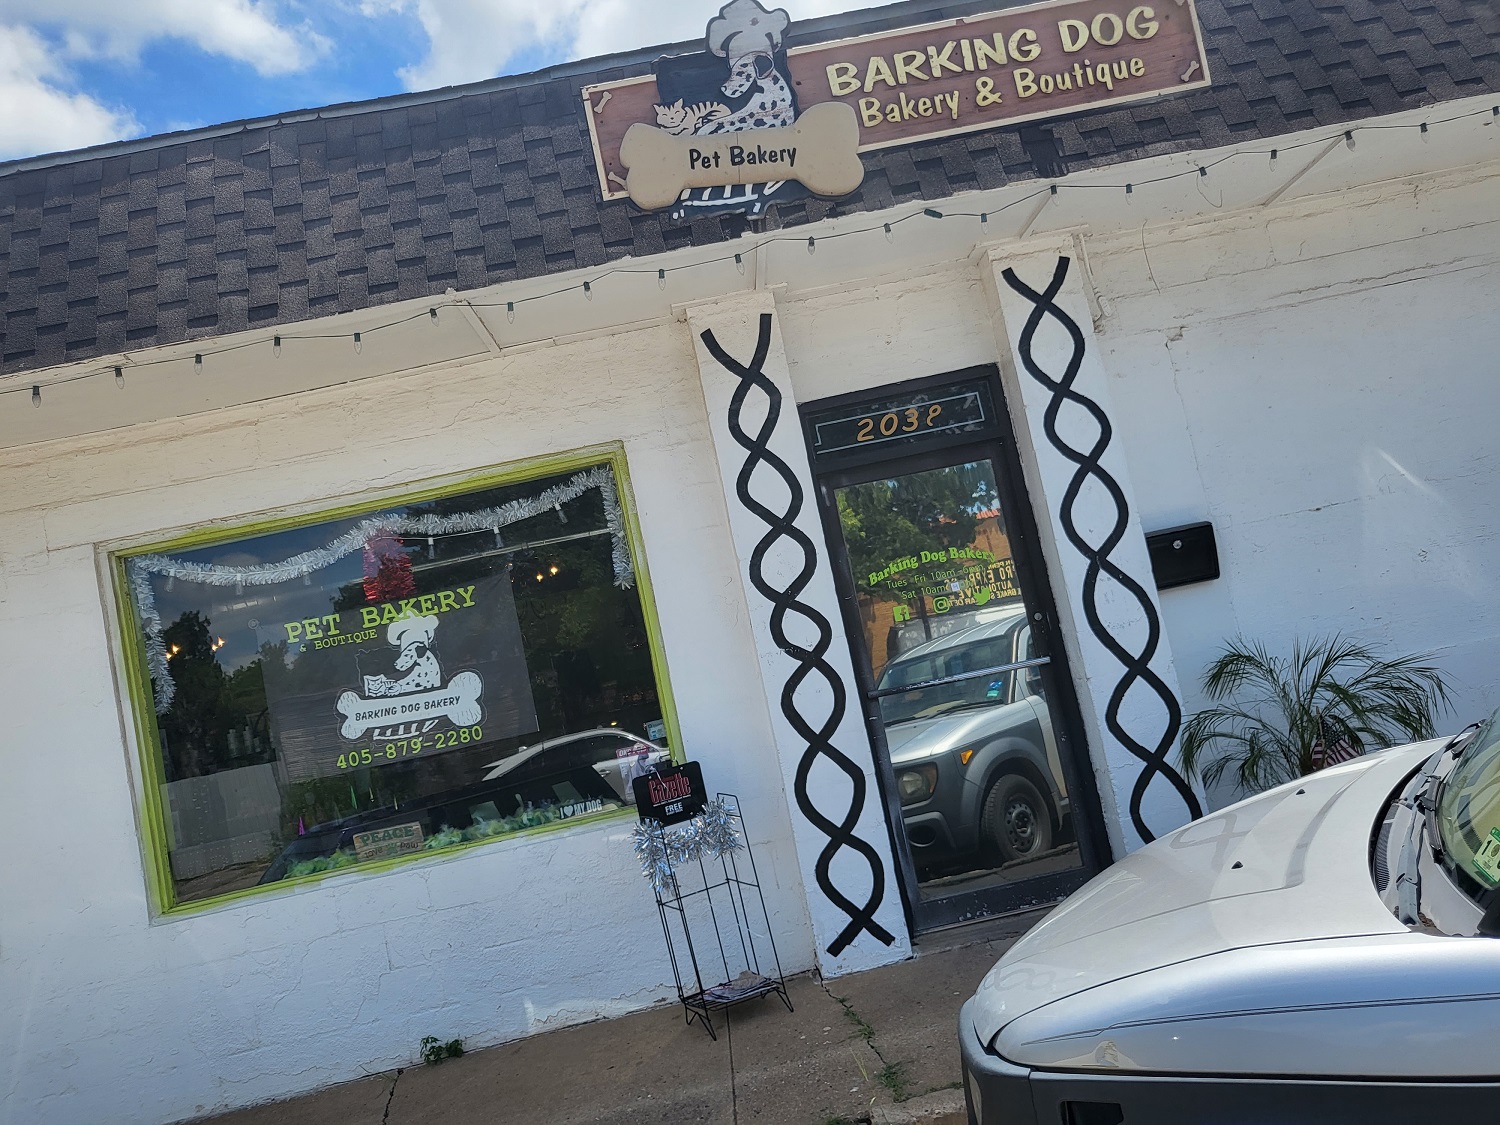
(378, 684)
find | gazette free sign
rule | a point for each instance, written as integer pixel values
(671, 794)
(957, 76)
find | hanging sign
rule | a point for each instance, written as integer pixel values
(716, 131)
(378, 684)
(671, 794)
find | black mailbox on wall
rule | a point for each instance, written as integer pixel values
(1183, 555)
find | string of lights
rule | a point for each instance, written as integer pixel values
(120, 371)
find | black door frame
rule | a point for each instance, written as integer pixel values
(997, 444)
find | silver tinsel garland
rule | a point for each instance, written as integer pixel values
(661, 850)
(141, 568)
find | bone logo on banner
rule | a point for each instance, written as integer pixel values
(820, 151)
(419, 696)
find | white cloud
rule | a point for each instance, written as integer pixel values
(470, 40)
(473, 39)
(248, 31)
(42, 116)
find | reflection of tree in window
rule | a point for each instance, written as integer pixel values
(217, 720)
(887, 520)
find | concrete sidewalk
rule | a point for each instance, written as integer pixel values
(878, 1046)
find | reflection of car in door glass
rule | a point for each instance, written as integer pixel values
(976, 763)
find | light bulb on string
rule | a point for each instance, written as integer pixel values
(431, 551)
(562, 516)
(198, 362)
(510, 311)
(588, 290)
(36, 396)
(661, 279)
(1424, 132)
(889, 234)
(932, 213)
(1275, 154)
(739, 262)
(812, 245)
(276, 346)
(432, 315)
(1202, 172)
(984, 217)
(120, 378)
(1349, 139)
(358, 346)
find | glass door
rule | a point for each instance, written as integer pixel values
(954, 643)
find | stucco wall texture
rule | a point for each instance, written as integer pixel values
(110, 1017)
(1315, 378)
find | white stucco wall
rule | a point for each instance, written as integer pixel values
(1317, 378)
(107, 1017)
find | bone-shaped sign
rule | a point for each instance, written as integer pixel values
(820, 151)
(458, 703)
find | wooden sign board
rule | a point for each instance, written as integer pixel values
(939, 79)
(383, 843)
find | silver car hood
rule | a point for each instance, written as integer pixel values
(916, 739)
(1234, 911)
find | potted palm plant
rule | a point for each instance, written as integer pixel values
(1277, 718)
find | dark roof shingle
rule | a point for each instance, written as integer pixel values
(362, 205)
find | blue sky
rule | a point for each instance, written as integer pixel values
(81, 72)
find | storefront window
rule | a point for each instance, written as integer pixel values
(397, 681)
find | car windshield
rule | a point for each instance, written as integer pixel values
(924, 703)
(1469, 808)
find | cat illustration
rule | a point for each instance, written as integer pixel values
(679, 119)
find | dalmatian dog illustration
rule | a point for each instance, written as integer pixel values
(771, 103)
(417, 701)
(412, 636)
(749, 38)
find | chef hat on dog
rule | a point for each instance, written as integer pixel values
(743, 27)
(409, 629)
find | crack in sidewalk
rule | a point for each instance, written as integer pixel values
(386, 1116)
(892, 1075)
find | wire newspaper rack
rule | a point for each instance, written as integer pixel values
(718, 933)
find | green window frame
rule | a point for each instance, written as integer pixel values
(134, 660)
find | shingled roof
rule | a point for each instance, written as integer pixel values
(270, 222)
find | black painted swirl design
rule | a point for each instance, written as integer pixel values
(810, 660)
(1137, 663)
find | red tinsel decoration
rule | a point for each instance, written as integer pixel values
(388, 575)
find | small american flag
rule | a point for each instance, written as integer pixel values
(1331, 747)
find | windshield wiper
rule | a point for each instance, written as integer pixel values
(1460, 741)
(1408, 875)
